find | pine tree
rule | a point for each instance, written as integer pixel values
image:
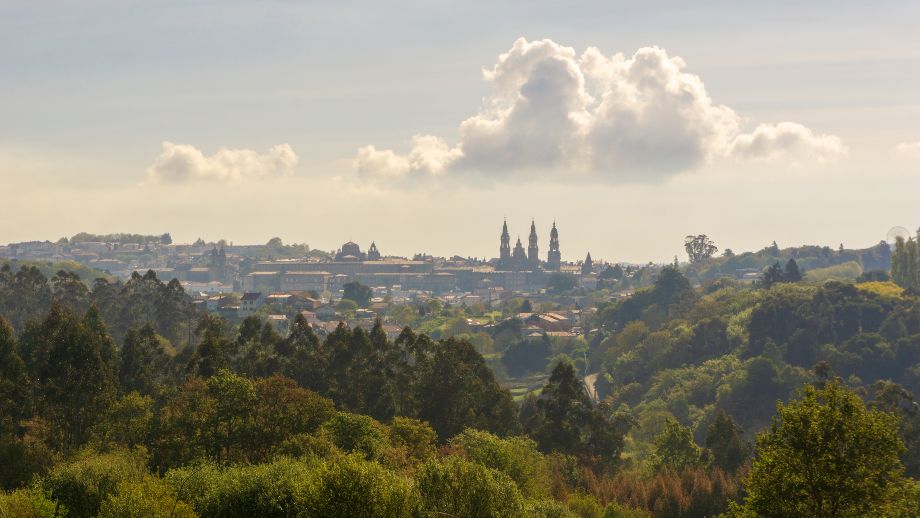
(725, 443)
(792, 273)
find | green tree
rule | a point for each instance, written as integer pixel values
(566, 420)
(674, 447)
(213, 351)
(827, 455)
(14, 382)
(357, 292)
(725, 443)
(792, 272)
(774, 274)
(69, 361)
(458, 390)
(699, 248)
(142, 361)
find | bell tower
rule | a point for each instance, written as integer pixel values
(553, 257)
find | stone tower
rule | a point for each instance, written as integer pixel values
(587, 267)
(372, 253)
(553, 257)
(504, 251)
(533, 251)
(519, 258)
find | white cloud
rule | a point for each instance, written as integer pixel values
(908, 149)
(613, 117)
(179, 163)
(787, 139)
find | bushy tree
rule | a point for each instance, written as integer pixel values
(675, 449)
(699, 248)
(827, 455)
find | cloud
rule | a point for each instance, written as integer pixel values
(641, 117)
(179, 163)
(908, 149)
(769, 141)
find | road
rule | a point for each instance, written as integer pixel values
(590, 380)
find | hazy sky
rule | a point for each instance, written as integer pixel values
(422, 124)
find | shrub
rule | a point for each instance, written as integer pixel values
(28, 503)
(278, 488)
(516, 457)
(357, 433)
(351, 487)
(151, 498)
(82, 484)
(458, 487)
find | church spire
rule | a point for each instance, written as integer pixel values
(504, 250)
(533, 251)
(553, 258)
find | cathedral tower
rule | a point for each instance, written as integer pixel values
(533, 251)
(518, 259)
(504, 251)
(553, 258)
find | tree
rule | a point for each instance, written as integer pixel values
(566, 420)
(773, 275)
(14, 384)
(212, 353)
(792, 273)
(358, 292)
(457, 390)
(674, 447)
(826, 455)
(699, 248)
(724, 441)
(70, 363)
(526, 307)
(143, 361)
(166, 239)
(561, 282)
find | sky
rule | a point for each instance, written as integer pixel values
(421, 125)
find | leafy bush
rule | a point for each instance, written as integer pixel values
(82, 484)
(279, 488)
(516, 457)
(351, 487)
(28, 503)
(458, 487)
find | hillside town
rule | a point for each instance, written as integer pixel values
(277, 282)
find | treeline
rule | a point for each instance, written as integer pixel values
(221, 420)
(27, 294)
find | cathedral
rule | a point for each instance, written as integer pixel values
(517, 259)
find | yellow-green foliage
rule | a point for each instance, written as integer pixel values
(83, 484)
(847, 271)
(353, 487)
(150, 498)
(283, 487)
(458, 487)
(585, 506)
(27, 503)
(885, 289)
(516, 457)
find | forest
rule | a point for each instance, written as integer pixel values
(789, 397)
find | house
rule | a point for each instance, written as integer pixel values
(250, 303)
(280, 299)
(326, 312)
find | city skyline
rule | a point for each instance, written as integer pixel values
(317, 122)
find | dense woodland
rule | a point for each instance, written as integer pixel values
(117, 399)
